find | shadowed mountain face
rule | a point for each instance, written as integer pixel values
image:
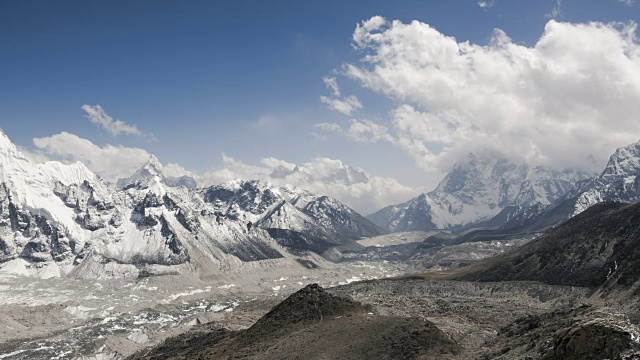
(598, 248)
(313, 324)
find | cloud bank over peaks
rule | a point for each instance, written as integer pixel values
(353, 186)
(567, 101)
(111, 162)
(324, 176)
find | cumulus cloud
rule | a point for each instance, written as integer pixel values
(109, 161)
(329, 127)
(36, 156)
(487, 4)
(556, 11)
(177, 170)
(359, 130)
(322, 176)
(627, 2)
(567, 101)
(332, 84)
(345, 105)
(98, 116)
(232, 169)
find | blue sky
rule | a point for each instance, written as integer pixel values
(242, 78)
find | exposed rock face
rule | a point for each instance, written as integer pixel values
(477, 190)
(576, 333)
(309, 305)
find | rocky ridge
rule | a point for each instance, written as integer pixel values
(63, 220)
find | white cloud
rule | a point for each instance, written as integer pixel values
(367, 131)
(487, 4)
(567, 101)
(110, 162)
(322, 176)
(232, 169)
(176, 170)
(332, 84)
(359, 131)
(556, 12)
(365, 32)
(35, 156)
(329, 127)
(98, 116)
(628, 2)
(273, 163)
(345, 106)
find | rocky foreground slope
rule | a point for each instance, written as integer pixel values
(313, 324)
(599, 248)
(570, 294)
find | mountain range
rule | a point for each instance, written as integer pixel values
(63, 220)
(477, 190)
(490, 193)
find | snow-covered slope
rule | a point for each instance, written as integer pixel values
(619, 181)
(289, 208)
(58, 220)
(153, 168)
(477, 190)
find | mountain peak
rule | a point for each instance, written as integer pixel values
(153, 166)
(624, 162)
(149, 171)
(5, 142)
(476, 189)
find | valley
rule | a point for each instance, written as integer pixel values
(98, 271)
(319, 180)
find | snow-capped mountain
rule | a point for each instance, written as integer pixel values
(345, 175)
(58, 220)
(153, 168)
(477, 190)
(289, 212)
(619, 181)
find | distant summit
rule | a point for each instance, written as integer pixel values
(477, 190)
(153, 170)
